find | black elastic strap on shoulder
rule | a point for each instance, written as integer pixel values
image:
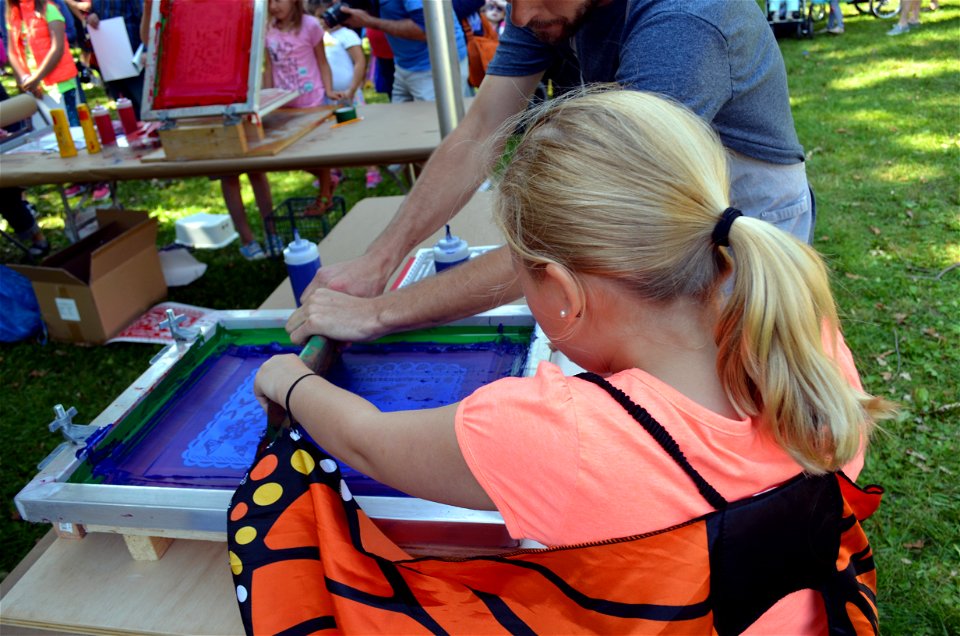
(660, 436)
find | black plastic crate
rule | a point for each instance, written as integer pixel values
(306, 216)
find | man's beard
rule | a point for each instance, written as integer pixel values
(542, 28)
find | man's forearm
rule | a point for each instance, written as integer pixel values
(406, 29)
(480, 284)
(454, 171)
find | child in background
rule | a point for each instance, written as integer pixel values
(743, 366)
(40, 54)
(295, 60)
(250, 247)
(496, 12)
(348, 65)
(43, 65)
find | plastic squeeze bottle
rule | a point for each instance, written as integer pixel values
(303, 261)
(449, 251)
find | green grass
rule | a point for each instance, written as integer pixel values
(880, 120)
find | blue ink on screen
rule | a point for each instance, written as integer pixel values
(206, 435)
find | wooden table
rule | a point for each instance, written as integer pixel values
(93, 586)
(388, 133)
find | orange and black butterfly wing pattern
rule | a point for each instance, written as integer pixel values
(851, 595)
(305, 558)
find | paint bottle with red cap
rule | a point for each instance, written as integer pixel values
(127, 117)
(101, 117)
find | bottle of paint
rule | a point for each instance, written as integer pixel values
(303, 261)
(61, 128)
(127, 117)
(101, 117)
(449, 251)
(89, 132)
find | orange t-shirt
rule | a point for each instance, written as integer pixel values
(565, 464)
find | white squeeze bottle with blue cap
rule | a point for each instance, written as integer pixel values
(303, 262)
(449, 251)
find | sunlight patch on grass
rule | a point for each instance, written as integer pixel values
(876, 72)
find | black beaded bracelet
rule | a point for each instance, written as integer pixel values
(290, 392)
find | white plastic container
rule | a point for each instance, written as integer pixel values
(205, 231)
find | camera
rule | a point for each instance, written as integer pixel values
(334, 16)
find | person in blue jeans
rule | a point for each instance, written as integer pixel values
(835, 19)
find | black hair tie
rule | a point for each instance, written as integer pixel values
(721, 232)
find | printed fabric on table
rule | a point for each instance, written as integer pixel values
(306, 558)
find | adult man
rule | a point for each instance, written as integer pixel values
(403, 23)
(718, 57)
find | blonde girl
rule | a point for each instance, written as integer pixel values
(615, 209)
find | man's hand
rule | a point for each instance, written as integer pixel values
(354, 18)
(337, 316)
(93, 21)
(362, 276)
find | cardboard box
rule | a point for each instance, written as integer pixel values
(94, 288)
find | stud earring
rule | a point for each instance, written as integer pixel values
(563, 313)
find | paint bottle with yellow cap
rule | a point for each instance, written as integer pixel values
(61, 128)
(89, 132)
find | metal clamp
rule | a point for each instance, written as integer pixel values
(181, 335)
(75, 434)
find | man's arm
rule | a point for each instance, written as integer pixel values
(407, 29)
(450, 178)
(480, 284)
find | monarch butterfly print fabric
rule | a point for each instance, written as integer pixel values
(306, 559)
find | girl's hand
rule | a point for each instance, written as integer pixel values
(275, 377)
(337, 96)
(31, 84)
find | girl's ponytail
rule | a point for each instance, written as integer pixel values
(772, 359)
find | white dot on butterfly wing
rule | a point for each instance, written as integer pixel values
(241, 593)
(294, 435)
(345, 492)
(328, 465)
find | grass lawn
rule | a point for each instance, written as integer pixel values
(880, 120)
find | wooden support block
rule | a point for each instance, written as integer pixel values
(144, 548)
(213, 140)
(67, 530)
(253, 128)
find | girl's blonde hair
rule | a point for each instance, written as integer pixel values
(629, 186)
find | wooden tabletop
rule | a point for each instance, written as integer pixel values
(388, 133)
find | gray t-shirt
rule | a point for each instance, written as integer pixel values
(718, 57)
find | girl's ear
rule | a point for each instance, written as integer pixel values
(569, 293)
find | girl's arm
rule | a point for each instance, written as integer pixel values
(325, 73)
(359, 70)
(414, 451)
(267, 81)
(58, 36)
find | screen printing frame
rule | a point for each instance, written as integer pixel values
(257, 101)
(200, 513)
